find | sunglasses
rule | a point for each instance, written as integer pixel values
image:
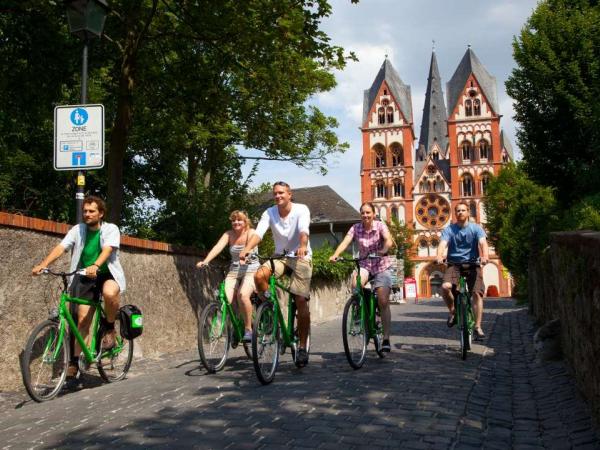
(281, 183)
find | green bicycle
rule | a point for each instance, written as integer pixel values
(361, 321)
(46, 355)
(219, 329)
(272, 334)
(462, 306)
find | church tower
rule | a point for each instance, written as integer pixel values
(460, 147)
(387, 134)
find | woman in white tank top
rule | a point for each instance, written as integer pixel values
(239, 282)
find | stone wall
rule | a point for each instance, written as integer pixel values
(564, 283)
(164, 284)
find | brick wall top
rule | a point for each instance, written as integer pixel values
(48, 226)
(584, 241)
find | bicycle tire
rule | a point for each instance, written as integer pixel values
(296, 338)
(354, 327)
(265, 343)
(114, 363)
(464, 328)
(213, 338)
(38, 355)
(378, 337)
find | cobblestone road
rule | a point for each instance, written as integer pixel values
(421, 396)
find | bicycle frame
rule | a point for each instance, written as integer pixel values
(286, 328)
(463, 292)
(65, 317)
(238, 324)
(366, 310)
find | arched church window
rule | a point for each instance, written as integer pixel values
(504, 157)
(485, 181)
(468, 107)
(390, 114)
(379, 156)
(398, 188)
(380, 190)
(381, 116)
(473, 210)
(397, 154)
(439, 184)
(484, 149)
(467, 185)
(435, 155)
(394, 212)
(477, 107)
(467, 150)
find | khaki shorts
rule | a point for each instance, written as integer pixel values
(240, 282)
(300, 271)
(474, 279)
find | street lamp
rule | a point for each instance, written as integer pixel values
(86, 21)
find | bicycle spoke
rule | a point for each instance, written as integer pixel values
(44, 363)
(354, 334)
(213, 338)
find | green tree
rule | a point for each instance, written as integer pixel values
(520, 216)
(556, 87)
(185, 85)
(403, 242)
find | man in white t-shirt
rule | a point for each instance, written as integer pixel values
(289, 223)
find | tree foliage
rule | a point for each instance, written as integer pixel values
(520, 215)
(185, 85)
(556, 87)
(402, 235)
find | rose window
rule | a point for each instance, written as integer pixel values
(433, 211)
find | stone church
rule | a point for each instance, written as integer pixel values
(461, 144)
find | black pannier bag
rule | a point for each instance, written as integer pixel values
(132, 321)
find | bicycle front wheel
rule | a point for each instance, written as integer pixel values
(114, 362)
(265, 343)
(213, 338)
(354, 334)
(465, 336)
(44, 362)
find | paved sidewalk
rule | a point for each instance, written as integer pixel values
(421, 396)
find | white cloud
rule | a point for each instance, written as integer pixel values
(404, 31)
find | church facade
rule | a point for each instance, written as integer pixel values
(460, 146)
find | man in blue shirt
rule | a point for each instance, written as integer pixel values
(464, 241)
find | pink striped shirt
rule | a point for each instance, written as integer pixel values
(370, 242)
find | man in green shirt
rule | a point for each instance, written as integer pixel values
(95, 246)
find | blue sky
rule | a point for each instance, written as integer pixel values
(404, 30)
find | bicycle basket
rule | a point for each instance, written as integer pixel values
(132, 321)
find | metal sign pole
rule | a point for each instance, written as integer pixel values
(80, 191)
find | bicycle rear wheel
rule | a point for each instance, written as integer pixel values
(114, 363)
(213, 338)
(265, 343)
(354, 334)
(44, 362)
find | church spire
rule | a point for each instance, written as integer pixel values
(470, 64)
(433, 125)
(399, 90)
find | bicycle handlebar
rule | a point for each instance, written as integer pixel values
(476, 263)
(47, 271)
(354, 260)
(273, 257)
